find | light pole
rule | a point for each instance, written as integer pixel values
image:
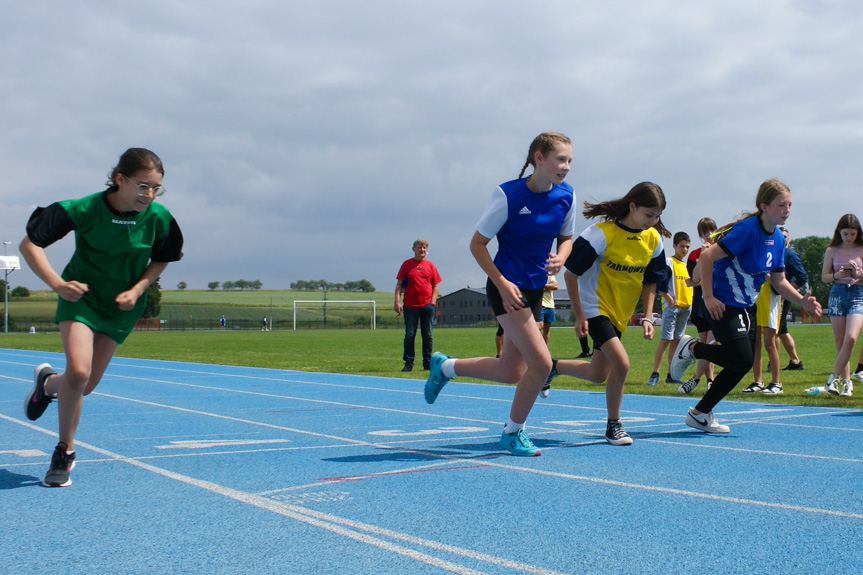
(8, 264)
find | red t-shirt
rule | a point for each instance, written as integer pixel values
(418, 278)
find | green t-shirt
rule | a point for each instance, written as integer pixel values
(112, 250)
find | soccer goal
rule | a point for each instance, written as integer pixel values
(334, 314)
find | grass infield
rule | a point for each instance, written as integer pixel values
(378, 353)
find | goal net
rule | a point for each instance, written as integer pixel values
(334, 314)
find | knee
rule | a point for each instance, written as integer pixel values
(77, 377)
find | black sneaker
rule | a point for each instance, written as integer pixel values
(37, 401)
(546, 389)
(793, 366)
(408, 366)
(754, 387)
(426, 366)
(584, 354)
(669, 379)
(615, 435)
(61, 464)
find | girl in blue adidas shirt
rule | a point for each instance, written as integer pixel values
(732, 272)
(526, 215)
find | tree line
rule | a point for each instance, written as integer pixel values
(323, 285)
(239, 284)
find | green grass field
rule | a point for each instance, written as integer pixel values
(378, 353)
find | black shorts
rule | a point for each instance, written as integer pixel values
(600, 329)
(735, 323)
(783, 321)
(530, 298)
(701, 324)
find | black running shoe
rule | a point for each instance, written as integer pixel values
(615, 435)
(61, 464)
(793, 366)
(37, 401)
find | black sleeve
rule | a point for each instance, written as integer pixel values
(47, 225)
(170, 247)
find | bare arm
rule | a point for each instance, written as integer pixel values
(648, 292)
(786, 290)
(397, 306)
(126, 300)
(38, 262)
(509, 292)
(571, 281)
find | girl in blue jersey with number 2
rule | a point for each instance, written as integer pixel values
(732, 272)
(526, 215)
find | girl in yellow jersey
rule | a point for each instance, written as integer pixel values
(611, 264)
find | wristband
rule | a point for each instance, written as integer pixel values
(644, 319)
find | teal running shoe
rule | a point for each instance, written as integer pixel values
(436, 379)
(518, 443)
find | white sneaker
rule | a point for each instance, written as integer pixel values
(682, 359)
(774, 388)
(832, 385)
(847, 389)
(858, 376)
(705, 422)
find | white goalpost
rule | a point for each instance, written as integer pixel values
(336, 309)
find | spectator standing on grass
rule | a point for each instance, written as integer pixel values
(732, 272)
(796, 276)
(527, 216)
(222, 322)
(843, 267)
(706, 227)
(124, 240)
(676, 297)
(416, 297)
(766, 313)
(547, 317)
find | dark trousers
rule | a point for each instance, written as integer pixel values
(422, 316)
(734, 354)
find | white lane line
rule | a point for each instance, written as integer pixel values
(325, 521)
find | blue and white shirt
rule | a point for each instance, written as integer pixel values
(526, 224)
(752, 253)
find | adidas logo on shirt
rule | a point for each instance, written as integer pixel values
(524, 211)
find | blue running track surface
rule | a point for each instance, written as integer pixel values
(189, 468)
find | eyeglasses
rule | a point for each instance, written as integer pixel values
(144, 190)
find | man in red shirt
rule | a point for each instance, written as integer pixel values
(417, 281)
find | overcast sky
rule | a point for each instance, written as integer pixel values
(317, 140)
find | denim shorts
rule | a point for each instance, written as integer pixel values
(845, 299)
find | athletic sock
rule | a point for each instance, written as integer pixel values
(447, 368)
(859, 368)
(512, 427)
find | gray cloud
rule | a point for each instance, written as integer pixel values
(319, 140)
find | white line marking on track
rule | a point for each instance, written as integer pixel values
(341, 526)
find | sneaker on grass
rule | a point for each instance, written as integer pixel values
(682, 358)
(615, 434)
(37, 401)
(705, 422)
(754, 387)
(61, 464)
(653, 379)
(436, 379)
(518, 443)
(687, 386)
(847, 389)
(858, 375)
(774, 388)
(832, 385)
